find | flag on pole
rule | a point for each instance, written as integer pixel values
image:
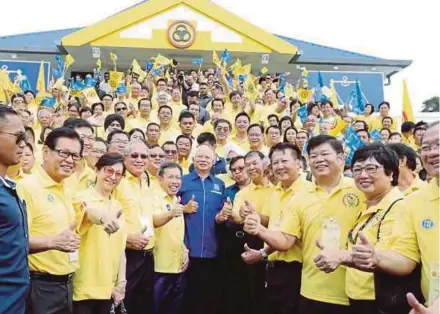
(215, 58)
(407, 111)
(250, 88)
(69, 60)
(114, 58)
(41, 82)
(264, 70)
(98, 65)
(226, 56)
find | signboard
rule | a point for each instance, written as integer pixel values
(30, 69)
(371, 84)
(265, 57)
(96, 52)
(197, 61)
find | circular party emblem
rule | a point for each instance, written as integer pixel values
(181, 34)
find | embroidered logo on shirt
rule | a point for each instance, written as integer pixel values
(168, 207)
(350, 200)
(427, 224)
(216, 187)
(50, 198)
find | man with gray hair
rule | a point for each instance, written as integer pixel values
(134, 194)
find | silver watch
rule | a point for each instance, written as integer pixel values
(263, 254)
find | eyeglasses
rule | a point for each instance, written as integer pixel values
(120, 109)
(109, 172)
(170, 151)
(98, 151)
(20, 136)
(119, 142)
(370, 169)
(136, 156)
(157, 155)
(63, 153)
(238, 169)
(224, 129)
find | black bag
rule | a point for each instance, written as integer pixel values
(391, 290)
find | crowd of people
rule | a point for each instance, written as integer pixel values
(184, 194)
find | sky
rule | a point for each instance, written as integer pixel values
(383, 28)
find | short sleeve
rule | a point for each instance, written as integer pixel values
(292, 224)
(24, 194)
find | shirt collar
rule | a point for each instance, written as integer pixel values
(344, 183)
(393, 195)
(433, 190)
(45, 179)
(294, 187)
(194, 175)
(7, 182)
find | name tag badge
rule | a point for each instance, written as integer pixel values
(148, 226)
(331, 234)
(434, 282)
(74, 257)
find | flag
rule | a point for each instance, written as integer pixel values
(407, 112)
(375, 135)
(319, 90)
(115, 78)
(301, 112)
(304, 72)
(4, 82)
(235, 68)
(246, 69)
(122, 88)
(56, 74)
(48, 102)
(59, 83)
(136, 68)
(264, 70)
(250, 88)
(305, 94)
(149, 66)
(352, 142)
(197, 61)
(334, 95)
(215, 59)
(160, 61)
(113, 57)
(98, 65)
(90, 82)
(282, 82)
(69, 60)
(60, 64)
(24, 83)
(226, 56)
(41, 82)
(288, 91)
(359, 105)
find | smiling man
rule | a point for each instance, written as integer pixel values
(53, 241)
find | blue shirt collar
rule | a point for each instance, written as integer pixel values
(194, 175)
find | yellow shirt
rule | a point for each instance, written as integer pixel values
(226, 178)
(312, 209)
(375, 122)
(142, 123)
(198, 129)
(168, 135)
(416, 235)
(50, 212)
(256, 195)
(169, 249)
(133, 195)
(220, 150)
(359, 285)
(279, 205)
(99, 253)
(79, 182)
(416, 185)
(243, 144)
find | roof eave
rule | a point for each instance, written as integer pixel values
(353, 62)
(33, 50)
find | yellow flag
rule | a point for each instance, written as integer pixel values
(250, 88)
(246, 69)
(68, 62)
(159, 61)
(407, 112)
(264, 70)
(98, 65)
(288, 91)
(337, 127)
(304, 95)
(334, 97)
(215, 59)
(4, 82)
(114, 58)
(236, 66)
(41, 82)
(136, 68)
(115, 78)
(59, 84)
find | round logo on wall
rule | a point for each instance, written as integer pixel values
(181, 34)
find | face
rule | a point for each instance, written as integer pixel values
(121, 109)
(301, 139)
(204, 159)
(27, 160)
(315, 111)
(183, 147)
(195, 110)
(145, 108)
(255, 137)
(270, 96)
(368, 110)
(88, 138)
(136, 160)
(217, 106)
(171, 180)
(118, 143)
(358, 126)
(98, 150)
(241, 124)
(11, 130)
(430, 151)
(363, 135)
(73, 112)
(291, 136)
(203, 90)
(222, 131)
(386, 123)
(324, 128)
(98, 110)
(326, 109)
(115, 125)
(187, 126)
(135, 90)
(25, 118)
(170, 152)
(383, 110)
(384, 135)
(285, 124)
(107, 101)
(45, 118)
(273, 136)
(285, 166)
(156, 157)
(238, 172)
(153, 133)
(418, 135)
(273, 121)
(86, 114)
(310, 122)
(18, 104)
(109, 177)
(60, 163)
(28, 97)
(162, 86)
(165, 115)
(325, 162)
(236, 99)
(395, 139)
(370, 177)
(136, 136)
(254, 167)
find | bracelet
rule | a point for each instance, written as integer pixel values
(263, 254)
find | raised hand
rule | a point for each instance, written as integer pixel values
(67, 241)
(251, 256)
(110, 221)
(192, 206)
(252, 224)
(138, 241)
(365, 255)
(226, 211)
(327, 260)
(177, 209)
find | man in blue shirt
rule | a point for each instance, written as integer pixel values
(14, 239)
(208, 139)
(203, 195)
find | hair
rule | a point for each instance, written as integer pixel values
(273, 116)
(234, 160)
(85, 109)
(96, 104)
(233, 93)
(327, 102)
(324, 139)
(143, 99)
(384, 103)
(110, 159)
(186, 114)
(383, 155)
(402, 151)
(168, 143)
(107, 95)
(395, 133)
(285, 118)
(363, 122)
(30, 130)
(130, 145)
(206, 137)
(168, 165)
(372, 108)
(120, 102)
(285, 132)
(253, 125)
(165, 107)
(29, 92)
(218, 121)
(387, 117)
(161, 80)
(29, 145)
(242, 114)
(254, 152)
(17, 96)
(407, 126)
(114, 132)
(153, 123)
(100, 139)
(185, 137)
(193, 93)
(363, 130)
(386, 129)
(6, 111)
(77, 123)
(283, 147)
(63, 132)
(136, 130)
(310, 106)
(217, 99)
(43, 130)
(76, 105)
(114, 117)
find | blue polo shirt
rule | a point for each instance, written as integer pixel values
(218, 168)
(14, 250)
(200, 227)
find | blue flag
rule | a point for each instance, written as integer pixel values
(60, 63)
(375, 135)
(149, 65)
(242, 78)
(90, 82)
(48, 102)
(77, 86)
(157, 71)
(56, 73)
(197, 61)
(353, 142)
(122, 88)
(318, 95)
(359, 105)
(282, 83)
(24, 84)
(302, 113)
(226, 56)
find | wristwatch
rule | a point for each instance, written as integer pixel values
(263, 254)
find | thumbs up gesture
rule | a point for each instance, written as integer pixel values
(67, 241)
(365, 255)
(251, 256)
(328, 260)
(252, 223)
(226, 211)
(177, 209)
(247, 209)
(192, 206)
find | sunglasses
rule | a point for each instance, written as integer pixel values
(109, 172)
(170, 151)
(136, 156)
(120, 109)
(20, 136)
(157, 155)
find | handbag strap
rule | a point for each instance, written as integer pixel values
(383, 217)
